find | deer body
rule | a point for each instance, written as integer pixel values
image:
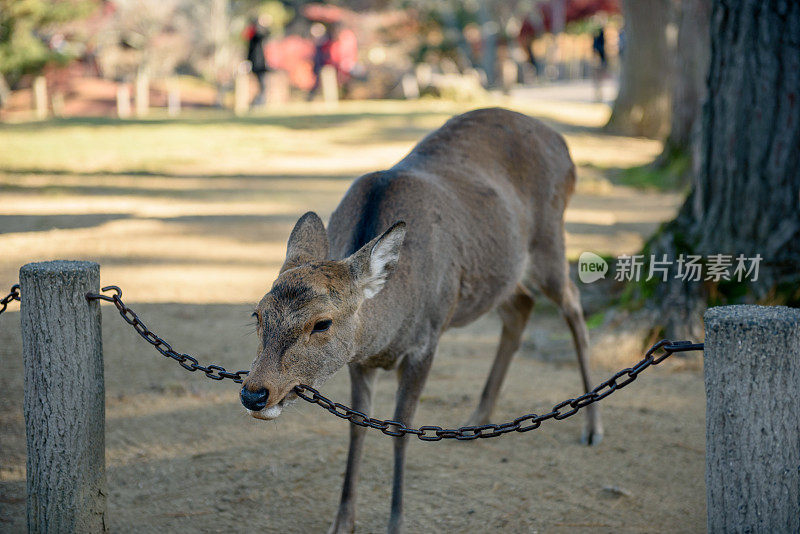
(483, 202)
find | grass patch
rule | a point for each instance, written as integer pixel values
(595, 320)
(668, 177)
(216, 142)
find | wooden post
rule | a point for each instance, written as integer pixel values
(410, 87)
(424, 74)
(5, 91)
(64, 397)
(173, 98)
(142, 96)
(123, 101)
(40, 97)
(510, 72)
(330, 84)
(278, 84)
(57, 104)
(241, 89)
(752, 378)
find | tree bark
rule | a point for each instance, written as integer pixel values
(489, 29)
(691, 66)
(453, 31)
(642, 107)
(746, 195)
(64, 397)
(5, 91)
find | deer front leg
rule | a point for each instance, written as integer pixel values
(412, 375)
(362, 381)
(514, 314)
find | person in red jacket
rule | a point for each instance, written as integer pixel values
(323, 43)
(256, 35)
(344, 54)
(527, 34)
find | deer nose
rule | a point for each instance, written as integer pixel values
(254, 401)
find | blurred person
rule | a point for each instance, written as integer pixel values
(526, 37)
(323, 44)
(599, 51)
(256, 35)
(599, 47)
(344, 54)
(58, 43)
(89, 59)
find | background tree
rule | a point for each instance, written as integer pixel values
(642, 107)
(689, 91)
(144, 39)
(213, 53)
(746, 195)
(23, 27)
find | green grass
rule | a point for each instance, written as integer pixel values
(668, 177)
(213, 142)
(595, 320)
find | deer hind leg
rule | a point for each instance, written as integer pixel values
(549, 272)
(514, 314)
(573, 313)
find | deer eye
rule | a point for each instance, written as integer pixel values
(321, 326)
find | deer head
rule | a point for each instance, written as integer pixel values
(308, 323)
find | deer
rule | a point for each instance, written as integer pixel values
(471, 220)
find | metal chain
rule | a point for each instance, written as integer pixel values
(13, 295)
(214, 372)
(523, 423)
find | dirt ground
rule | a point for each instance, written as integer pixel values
(190, 218)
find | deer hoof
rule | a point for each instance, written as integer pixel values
(342, 526)
(592, 437)
(477, 419)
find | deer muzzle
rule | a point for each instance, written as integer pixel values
(255, 401)
(263, 403)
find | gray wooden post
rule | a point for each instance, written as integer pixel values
(241, 90)
(64, 397)
(40, 97)
(752, 378)
(173, 99)
(330, 84)
(123, 101)
(142, 96)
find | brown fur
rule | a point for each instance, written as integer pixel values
(483, 199)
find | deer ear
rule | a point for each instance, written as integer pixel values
(376, 261)
(308, 242)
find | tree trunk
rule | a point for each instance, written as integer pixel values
(5, 91)
(692, 57)
(746, 196)
(489, 29)
(643, 104)
(453, 32)
(691, 67)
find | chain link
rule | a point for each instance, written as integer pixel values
(190, 363)
(564, 409)
(12, 295)
(525, 423)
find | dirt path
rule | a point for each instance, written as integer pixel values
(190, 218)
